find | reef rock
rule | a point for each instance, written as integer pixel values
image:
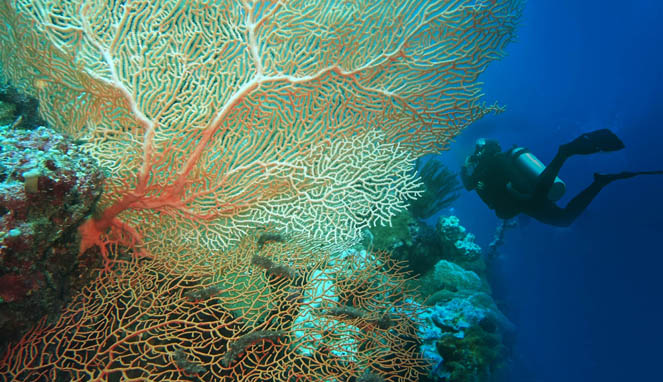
(47, 187)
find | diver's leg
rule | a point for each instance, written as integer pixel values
(546, 179)
(580, 202)
(607, 178)
(546, 211)
(589, 143)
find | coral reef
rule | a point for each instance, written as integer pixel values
(458, 244)
(447, 277)
(47, 187)
(467, 338)
(141, 322)
(421, 247)
(216, 120)
(464, 334)
(7, 113)
(18, 109)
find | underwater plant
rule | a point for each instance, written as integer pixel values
(441, 188)
(213, 118)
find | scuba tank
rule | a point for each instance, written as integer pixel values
(527, 169)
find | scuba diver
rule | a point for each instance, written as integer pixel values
(515, 181)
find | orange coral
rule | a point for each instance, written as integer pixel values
(228, 320)
(214, 118)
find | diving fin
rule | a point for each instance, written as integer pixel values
(593, 142)
(607, 178)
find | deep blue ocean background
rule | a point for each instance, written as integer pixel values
(587, 299)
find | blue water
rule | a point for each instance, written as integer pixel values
(587, 299)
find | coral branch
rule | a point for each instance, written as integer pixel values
(213, 120)
(214, 319)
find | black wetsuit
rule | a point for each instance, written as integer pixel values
(490, 175)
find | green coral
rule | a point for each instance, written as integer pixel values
(7, 113)
(463, 324)
(480, 355)
(398, 234)
(458, 245)
(449, 277)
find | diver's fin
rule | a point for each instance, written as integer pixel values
(607, 178)
(594, 142)
(658, 172)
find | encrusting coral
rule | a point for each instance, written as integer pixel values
(47, 187)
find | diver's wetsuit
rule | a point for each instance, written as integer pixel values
(489, 176)
(489, 172)
(546, 211)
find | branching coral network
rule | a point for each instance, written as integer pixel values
(218, 119)
(230, 319)
(214, 118)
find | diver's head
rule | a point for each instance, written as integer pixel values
(484, 147)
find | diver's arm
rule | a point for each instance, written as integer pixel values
(467, 176)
